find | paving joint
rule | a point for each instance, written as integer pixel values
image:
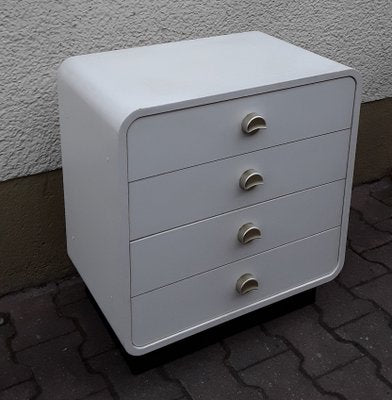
(235, 374)
(83, 334)
(360, 348)
(167, 377)
(302, 370)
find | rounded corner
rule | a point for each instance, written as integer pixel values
(133, 350)
(256, 32)
(355, 76)
(130, 119)
(339, 266)
(64, 66)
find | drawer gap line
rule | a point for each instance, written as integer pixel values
(234, 210)
(238, 155)
(237, 260)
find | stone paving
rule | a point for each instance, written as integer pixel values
(53, 344)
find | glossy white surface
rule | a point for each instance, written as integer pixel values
(101, 96)
(166, 201)
(121, 82)
(161, 313)
(179, 139)
(161, 259)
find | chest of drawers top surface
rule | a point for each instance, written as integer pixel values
(122, 83)
(157, 156)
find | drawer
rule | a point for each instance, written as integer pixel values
(178, 139)
(197, 300)
(168, 257)
(166, 201)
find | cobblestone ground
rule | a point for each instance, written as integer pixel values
(53, 345)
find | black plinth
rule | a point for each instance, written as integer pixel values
(139, 364)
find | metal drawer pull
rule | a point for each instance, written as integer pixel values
(250, 179)
(248, 232)
(246, 283)
(253, 123)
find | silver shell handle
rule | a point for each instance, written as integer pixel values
(248, 232)
(252, 123)
(246, 283)
(250, 179)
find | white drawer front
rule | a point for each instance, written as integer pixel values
(172, 309)
(168, 257)
(178, 139)
(167, 201)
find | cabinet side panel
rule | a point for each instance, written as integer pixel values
(96, 204)
(350, 168)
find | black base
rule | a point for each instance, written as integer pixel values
(139, 364)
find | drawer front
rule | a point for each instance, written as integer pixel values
(178, 139)
(168, 257)
(172, 309)
(167, 201)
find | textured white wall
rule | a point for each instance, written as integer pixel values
(36, 35)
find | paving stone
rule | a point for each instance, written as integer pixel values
(98, 339)
(320, 350)
(70, 291)
(384, 196)
(252, 346)
(382, 191)
(147, 386)
(205, 377)
(385, 225)
(379, 290)
(363, 237)
(59, 369)
(357, 381)
(281, 379)
(380, 184)
(103, 395)
(357, 270)
(339, 306)
(373, 333)
(371, 209)
(23, 391)
(382, 255)
(11, 372)
(360, 192)
(35, 318)
(26, 295)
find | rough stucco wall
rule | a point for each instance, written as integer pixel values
(37, 35)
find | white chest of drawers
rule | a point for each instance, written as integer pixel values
(204, 179)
